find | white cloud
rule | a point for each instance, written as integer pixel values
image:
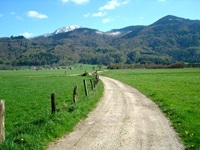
(1, 15)
(112, 4)
(27, 34)
(106, 20)
(35, 14)
(99, 14)
(75, 1)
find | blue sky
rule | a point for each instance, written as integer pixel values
(36, 17)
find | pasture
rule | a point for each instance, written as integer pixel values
(176, 91)
(29, 123)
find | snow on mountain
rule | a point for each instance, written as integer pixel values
(113, 33)
(46, 35)
(74, 27)
(109, 33)
(66, 29)
(62, 30)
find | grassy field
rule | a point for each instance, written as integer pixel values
(176, 91)
(29, 123)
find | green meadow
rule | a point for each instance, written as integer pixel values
(176, 91)
(29, 123)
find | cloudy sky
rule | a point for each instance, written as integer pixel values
(36, 17)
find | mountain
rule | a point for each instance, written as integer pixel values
(170, 20)
(173, 20)
(168, 40)
(114, 32)
(66, 29)
(62, 30)
(176, 25)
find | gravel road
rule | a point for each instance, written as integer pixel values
(124, 119)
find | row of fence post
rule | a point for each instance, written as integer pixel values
(96, 80)
(53, 105)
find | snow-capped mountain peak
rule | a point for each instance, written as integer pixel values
(66, 29)
(62, 30)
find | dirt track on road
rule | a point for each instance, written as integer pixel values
(124, 119)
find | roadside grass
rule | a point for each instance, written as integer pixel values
(29, 123)
(177, 92)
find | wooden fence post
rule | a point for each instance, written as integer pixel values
(85, 86)
(96, 78)
(94, 82)
(74, 94)
(92, 86)
(2, 116)
(53, 106)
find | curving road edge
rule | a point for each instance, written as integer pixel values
(124, 119)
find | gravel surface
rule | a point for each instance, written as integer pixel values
(124, 119)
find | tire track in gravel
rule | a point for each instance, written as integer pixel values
(124, 119)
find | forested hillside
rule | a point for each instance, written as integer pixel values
(168, 40)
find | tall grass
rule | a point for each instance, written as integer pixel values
(29, 123)
(176, 91)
